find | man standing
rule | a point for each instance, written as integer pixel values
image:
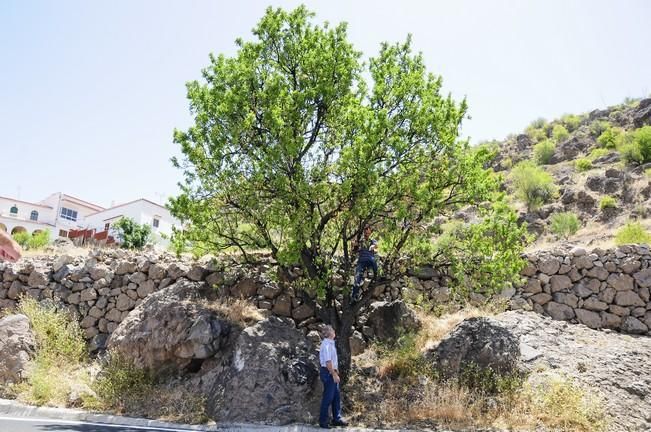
(330, 379)
(365, 260)
(9, 249)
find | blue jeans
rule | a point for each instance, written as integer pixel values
(359, 272)
(330, 398)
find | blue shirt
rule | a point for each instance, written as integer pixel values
(365, 252)
(328, 352)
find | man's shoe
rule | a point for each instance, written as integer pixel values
(324, 426)
(340, 422)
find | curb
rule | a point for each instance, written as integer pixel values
(16, 409)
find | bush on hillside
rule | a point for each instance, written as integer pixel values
(632, 233)
(538, 123)
(611, 138)
(597, 153)
(564, 224)
(533, 185)
(543, 152)
(536, 134)
(571, 121)
(607, 202)
(131, 234)
(559, 133)
(598, 127)
(583, 164)
(642, 140)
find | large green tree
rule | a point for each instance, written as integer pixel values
(297, 145)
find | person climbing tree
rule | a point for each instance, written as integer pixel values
(9, 249)
(366, 260)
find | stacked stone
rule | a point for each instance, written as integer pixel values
(602, 289)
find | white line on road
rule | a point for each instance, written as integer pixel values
(76, 422)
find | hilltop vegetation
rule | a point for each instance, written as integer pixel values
(584, 178)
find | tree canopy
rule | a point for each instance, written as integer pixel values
(298, 144)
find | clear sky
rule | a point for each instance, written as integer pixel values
(91, 91)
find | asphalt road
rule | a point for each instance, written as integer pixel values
(24, 424)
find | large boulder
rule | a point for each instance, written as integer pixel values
(389, 320)
(271, 376)
(17, 347)
(478, 342)
(170, 330)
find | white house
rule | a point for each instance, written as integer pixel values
(57, 213)
(142, 211)
(60, 214)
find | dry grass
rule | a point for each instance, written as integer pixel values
(235, 310)
(553, 404)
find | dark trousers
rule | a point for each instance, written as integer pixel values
(362, 265)
(330, 398)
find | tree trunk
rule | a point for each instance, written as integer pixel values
(344, 331)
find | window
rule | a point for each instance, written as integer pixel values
(34, 215)
(13, 211)
(155, 223)
(107, 226)
(63, 233)
(68, 214)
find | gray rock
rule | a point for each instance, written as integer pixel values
(593, 304)
(560, 283)
(276, 385)
(357, 343)
(549, 266)
(633, 325)
(302, 312)
(628, 298)
(643, 278)
(125, 267)
(157, 272)
(588, 318)
(622, 282)
(541, 298)
(283, 306)
(610, 321)
(533, 286)
(169, 329)
(17, 345)
(391, 319)
(559, 311)
(482, 342)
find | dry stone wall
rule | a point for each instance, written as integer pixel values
(602, 288)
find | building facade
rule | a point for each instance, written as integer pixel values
(63, 214)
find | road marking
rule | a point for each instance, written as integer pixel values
(76, 422)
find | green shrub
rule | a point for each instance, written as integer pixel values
(22, 238)
(597, 153)
(533, 185)
(543, 152)
(131, 234)
(607, 202)
(58, 335)
(632, 233)
(598, 127)
(571, 121)
(564, 224)
(486, 381)
(538, 123)
(559, 133)
(647, 172)
(642, 140)
(537, 134)
(121, 383)
(507, 163)
(583, 164)
(611, 138)
(39, 239)
(402, 358)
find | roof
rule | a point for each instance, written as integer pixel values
(128, 203)
(26, 202)
(95, 207)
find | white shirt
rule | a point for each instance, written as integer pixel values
(328, 352)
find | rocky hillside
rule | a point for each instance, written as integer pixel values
(597, 174)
